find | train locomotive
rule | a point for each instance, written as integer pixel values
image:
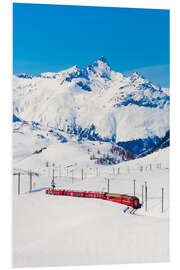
(128, 200)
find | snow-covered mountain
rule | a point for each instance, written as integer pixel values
(96, 103)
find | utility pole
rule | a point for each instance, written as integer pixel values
(146, 196)
(30, 185)
(134, 187)
(82, 174)
(142, 195)
(19, 183)
(162, 200)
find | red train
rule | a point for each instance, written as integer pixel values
(132, 201)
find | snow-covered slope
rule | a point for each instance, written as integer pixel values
(53, 145)
(95, 102)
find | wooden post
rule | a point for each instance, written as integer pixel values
(19, 183)
(162, 209)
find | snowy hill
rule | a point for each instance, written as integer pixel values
(31, 138)
(95, 103)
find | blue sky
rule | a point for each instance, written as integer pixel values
(54, 37)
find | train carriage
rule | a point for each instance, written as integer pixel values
(124, 199)
(78, 194)
(67, 193)
(54, 192)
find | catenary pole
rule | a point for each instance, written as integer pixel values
(162, 209)
(30, 186)
(142, 195)
(134, 187)
(146, 196)
(19, 183)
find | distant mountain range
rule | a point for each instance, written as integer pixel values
(95, 103)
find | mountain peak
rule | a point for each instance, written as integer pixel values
(103, 59)
(100, 68)
(136, 76)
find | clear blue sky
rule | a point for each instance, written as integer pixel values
(54, 37)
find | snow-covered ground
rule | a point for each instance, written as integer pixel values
(57, 230)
